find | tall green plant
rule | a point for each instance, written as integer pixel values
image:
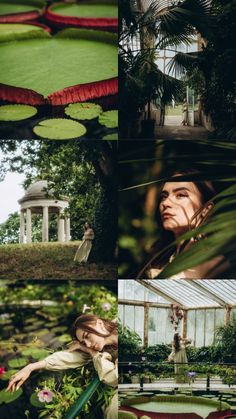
(151, 30)
(226, 341)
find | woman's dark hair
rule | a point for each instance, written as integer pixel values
(176, 342)
(84, 321)
(207, 192)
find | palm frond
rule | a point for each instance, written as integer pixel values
(182, 62)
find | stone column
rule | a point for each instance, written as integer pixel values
(61, 227)
(28, 226)
(67, 228)
(22, 226)
(45, 224)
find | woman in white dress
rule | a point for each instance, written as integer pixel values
(85, 247)
(179, 357)
(96, 342)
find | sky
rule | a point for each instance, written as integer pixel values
(10, 191)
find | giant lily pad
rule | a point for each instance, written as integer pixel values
(73, 66)
(20, 10)
(16, 112)
(12, 31)
(59, 129)
(109, 119)
(8, 397)
(83, 111)
(90, 13)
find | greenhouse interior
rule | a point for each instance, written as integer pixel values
(177, 343)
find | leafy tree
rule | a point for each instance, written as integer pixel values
(10, 229)
(83, 171)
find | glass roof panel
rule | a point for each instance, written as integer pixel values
(188, 293)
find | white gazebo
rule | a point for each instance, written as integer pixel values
(37, 201)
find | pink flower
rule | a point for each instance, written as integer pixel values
(2, 371)
(85, 308)
(106, 306)
(45, 396)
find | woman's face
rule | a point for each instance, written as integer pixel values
(179, 202)
(86, 225)
(91, 340)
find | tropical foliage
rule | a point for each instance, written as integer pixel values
(32, 333)
(146, 168)
(83, 171)
(211, 71)
(144, 33)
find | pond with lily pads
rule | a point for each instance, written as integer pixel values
(35, 321)
(44, 71)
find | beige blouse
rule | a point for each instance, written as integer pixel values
(88, 234)
(107, 370)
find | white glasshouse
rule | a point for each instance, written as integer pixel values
(145, 307)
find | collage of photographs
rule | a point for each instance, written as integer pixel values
(117, 209)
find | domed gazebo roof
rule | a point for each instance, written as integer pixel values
(37, 190)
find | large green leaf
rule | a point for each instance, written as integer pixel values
(84, 110)
(18, 362)
(36, 353)
(8, 397)
(109, 119)
(16, 112)
(34, 400)
(81, 56)
(59, 129)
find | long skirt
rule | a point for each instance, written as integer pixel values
(83, 251)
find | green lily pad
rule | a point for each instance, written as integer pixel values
(87, 9)
(17, 362)
(59, 129)
(12, 31)
(83, 110)
(34, 400)
(20, 6)
(8, 397)
(65, 338)
(16, 112)
(35, 353)
(83, 57)
(6, 376)
(109, 137)
(109, 119)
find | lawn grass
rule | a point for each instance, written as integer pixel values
(49, 261)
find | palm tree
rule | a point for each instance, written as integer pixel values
(144, 32)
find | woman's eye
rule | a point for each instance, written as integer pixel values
(181, 195)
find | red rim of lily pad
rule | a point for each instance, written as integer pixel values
(78, 93)
(24, 16)
(40, 25)
(107, 24)
(71, 94)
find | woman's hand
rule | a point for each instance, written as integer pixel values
(77, 346)
(19, 378)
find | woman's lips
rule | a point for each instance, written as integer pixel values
(167, 215)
